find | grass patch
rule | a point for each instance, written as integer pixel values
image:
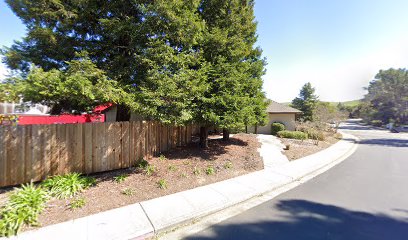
(77, 203)
(128, 192)
(68, 185)
(162, 184)
(23, 207)
(120, 178)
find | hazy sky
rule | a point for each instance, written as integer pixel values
(337, 45)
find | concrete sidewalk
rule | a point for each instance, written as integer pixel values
(148, 218)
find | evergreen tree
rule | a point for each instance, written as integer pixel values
(387, 97)
(306, 102)
(234, 93)
(176, 61)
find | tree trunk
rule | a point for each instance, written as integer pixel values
(246, 128)
(225, 134)
(256, 128)
(203, 137)
(122, 114)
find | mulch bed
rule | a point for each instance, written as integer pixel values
(299, 149)
(179, 169)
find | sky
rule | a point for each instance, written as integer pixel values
(336, 45)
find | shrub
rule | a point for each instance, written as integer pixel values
(196, 171)
(277, 127)
(293, 134)
(162, 157)
(376, 123)
(316, 135)
(172, 168)
(68, 185)
(23, 207)
(228, 165)
(77, 203)
(128, 192)
(210, 170)
(120, 178)
(162, 184)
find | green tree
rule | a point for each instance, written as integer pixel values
(234, 96)
(387, 97)
(79, 88)
(177, 61)
(306, 102)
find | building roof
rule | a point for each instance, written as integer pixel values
(275, 107)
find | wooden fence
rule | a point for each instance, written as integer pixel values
(33, 152)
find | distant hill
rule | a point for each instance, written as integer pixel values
(352, 103)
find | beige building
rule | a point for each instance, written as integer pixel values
(278, 112)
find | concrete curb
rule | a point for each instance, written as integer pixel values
(160, 215)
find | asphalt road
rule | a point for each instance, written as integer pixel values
(364, 197)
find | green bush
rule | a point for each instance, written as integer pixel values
(277, 127)
(77, 203)
(376, 123)
(67, 185)
(292, 134)
(23, 207)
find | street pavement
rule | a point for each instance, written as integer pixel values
(364, 197)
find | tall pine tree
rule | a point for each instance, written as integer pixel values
(306, 102)
(234, 89)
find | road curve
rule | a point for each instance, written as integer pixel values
(364, 197)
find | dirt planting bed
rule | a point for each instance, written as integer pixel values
(299, 148)
(180, 169)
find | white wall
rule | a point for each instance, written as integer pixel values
(288, 119)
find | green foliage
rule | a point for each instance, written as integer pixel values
(210, 170)
(128, 192)
(174, 61)
(79, 87)
(120, 178)
(183, 175)
(23, 207)
(306, 102)
(150, 170)
(162, 184)
(228, 165)
(162, 157)
(172, 168)
(196, 171)
(64, 186)
(387, 97)
(293, 134)
(77, 203)
(276, 127)
(145, 167)
(376, 123)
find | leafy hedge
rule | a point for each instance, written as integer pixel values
(293, 134)
(376, 123)
(277, 127)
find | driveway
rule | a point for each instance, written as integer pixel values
(364, 197)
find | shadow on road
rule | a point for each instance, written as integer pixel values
(302, 219)
(385, 142)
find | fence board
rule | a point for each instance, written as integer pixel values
(3, 158)
(124, 144)
(34, 152)
(87, 131)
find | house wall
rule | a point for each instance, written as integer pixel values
(110, 115)
(288, 119)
